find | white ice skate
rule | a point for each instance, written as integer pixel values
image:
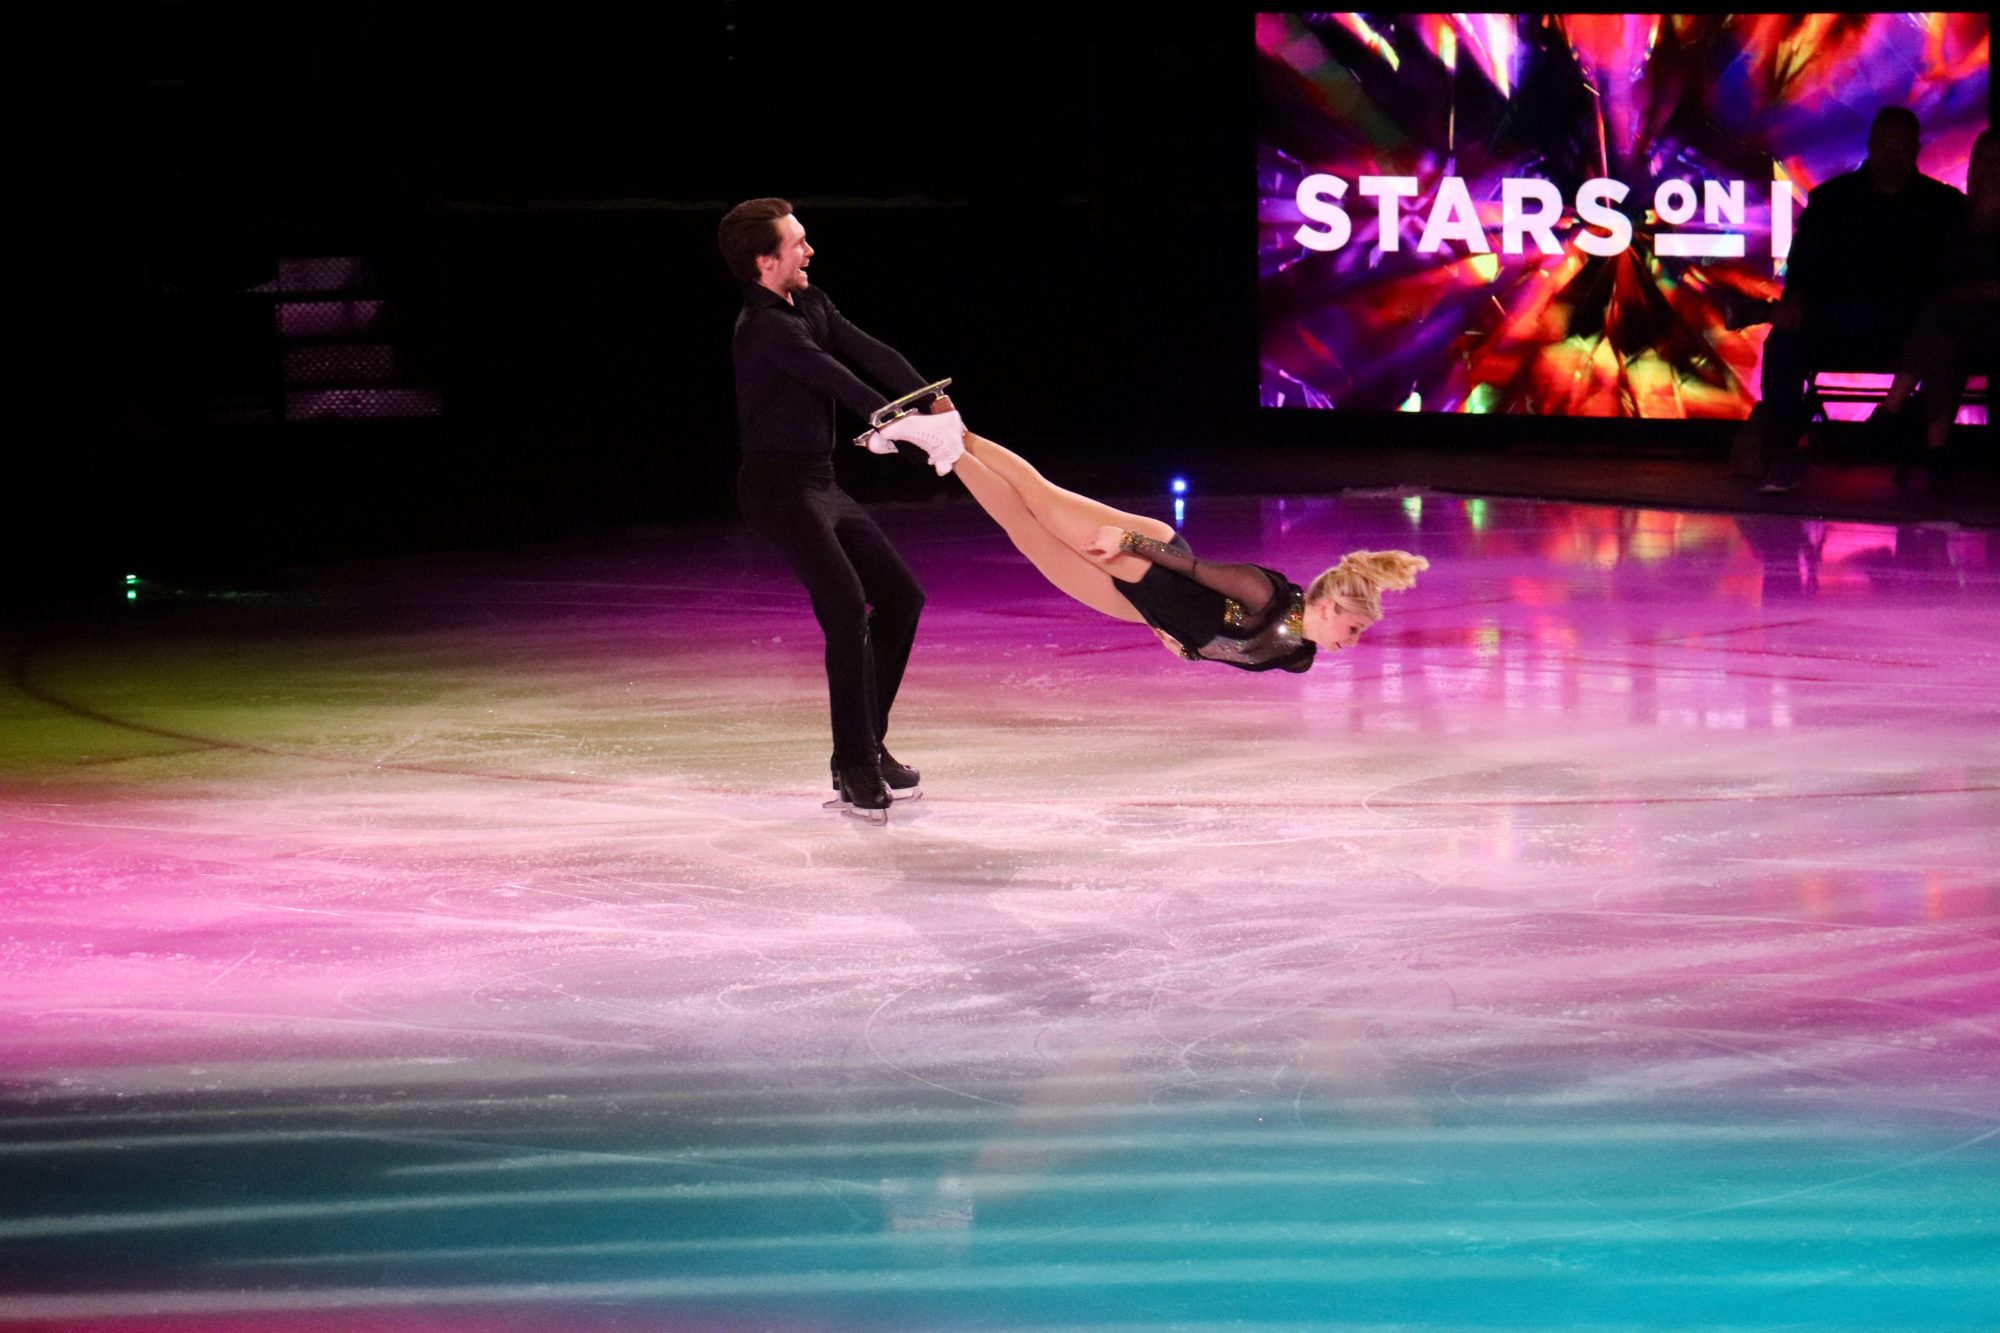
(941, 435)
(908, 405)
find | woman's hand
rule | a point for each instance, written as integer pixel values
(1108, 541)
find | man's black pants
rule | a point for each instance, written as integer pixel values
(865, 597)
(1843, 335)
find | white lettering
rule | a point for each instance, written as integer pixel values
(1722, 203)
(1386, 190)
(1315, 196)
(1453, 218)
(1531, 209)
(1516, 222)
(1695, 245)
(1674, 202)
(1593, 200)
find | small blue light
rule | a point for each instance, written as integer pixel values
(1179, 485)
(1180, 512)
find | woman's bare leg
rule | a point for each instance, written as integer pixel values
(1060, 563)
(1071, 518)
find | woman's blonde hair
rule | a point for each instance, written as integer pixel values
(1355, 585)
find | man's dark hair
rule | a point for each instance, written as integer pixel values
(1895, 115)
(748, 230)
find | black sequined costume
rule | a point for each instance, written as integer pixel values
(1245, 616)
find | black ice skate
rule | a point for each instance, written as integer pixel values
(898, 777)
(862, 794)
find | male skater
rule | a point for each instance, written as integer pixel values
(795, 355)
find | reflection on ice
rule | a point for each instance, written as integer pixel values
(1610, 940)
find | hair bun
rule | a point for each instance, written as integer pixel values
(1393, 570)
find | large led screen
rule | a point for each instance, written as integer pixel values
(1564, 214)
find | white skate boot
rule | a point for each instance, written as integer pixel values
(917, 401)
(941, 435)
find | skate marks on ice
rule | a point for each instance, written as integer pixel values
(1611, 938)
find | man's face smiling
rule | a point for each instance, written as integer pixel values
(784, 272)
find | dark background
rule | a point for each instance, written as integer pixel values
(1051, 204)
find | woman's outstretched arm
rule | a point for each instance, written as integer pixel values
(1244, 584)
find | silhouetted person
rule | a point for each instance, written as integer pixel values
(1870, 250)
(1959, 331)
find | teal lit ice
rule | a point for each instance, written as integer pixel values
(1612, 941)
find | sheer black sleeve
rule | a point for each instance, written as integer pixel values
(1248, 585)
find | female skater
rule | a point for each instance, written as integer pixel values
(1138, 569)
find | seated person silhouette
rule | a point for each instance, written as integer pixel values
(1869, 251)
(1958, 332)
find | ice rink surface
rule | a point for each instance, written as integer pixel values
(1612, 940)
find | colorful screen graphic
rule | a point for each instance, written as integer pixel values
(1564, 214)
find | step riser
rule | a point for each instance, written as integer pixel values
(353, 363)
(302, 276)
(330, 319)
(362, 404)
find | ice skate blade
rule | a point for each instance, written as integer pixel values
(909, 405)
(905, 793)
(852, 811)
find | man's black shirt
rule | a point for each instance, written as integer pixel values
(1858, 245)
(792, 363)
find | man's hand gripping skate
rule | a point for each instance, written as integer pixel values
(939, 432)
(938, 444)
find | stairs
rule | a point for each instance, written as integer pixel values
(337, 358)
